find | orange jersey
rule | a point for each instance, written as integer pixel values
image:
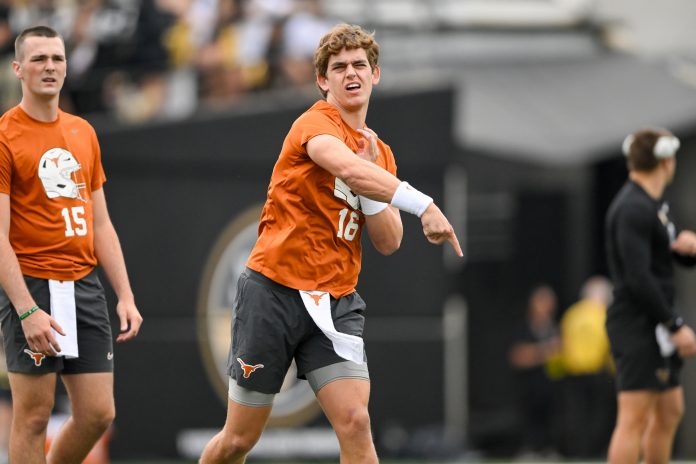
(311, 224)
(49, 170)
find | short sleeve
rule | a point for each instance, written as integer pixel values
(313, 123)
(5, 169)
(389, 160)
(98, 176)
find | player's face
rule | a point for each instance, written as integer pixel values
(349, 79)
(43, 66)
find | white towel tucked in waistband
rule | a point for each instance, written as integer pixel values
(64, 312)
(664, 339)
(318, 306)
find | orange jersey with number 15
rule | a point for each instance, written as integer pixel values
(311, 224)
(49, 170)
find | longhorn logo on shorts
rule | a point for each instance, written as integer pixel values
(248, 368)
(315, 296)
(37, 357)
(662, 375)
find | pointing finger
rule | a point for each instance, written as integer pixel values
(455, 244)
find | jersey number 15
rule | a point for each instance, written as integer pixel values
(75, 223)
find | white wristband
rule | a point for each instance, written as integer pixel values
(371, 207)
(408, 199)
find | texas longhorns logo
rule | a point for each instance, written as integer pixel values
(37, 357)
(248, 368)
(662, 375)
(315, 297)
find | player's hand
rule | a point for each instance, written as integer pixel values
(438, 230)
(130, 319)
(685, 341)
(37, 330)
(685, 243)
(367, 146)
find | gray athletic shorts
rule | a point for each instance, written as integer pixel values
(94, 338)
(271, 327)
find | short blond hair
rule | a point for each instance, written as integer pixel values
(36, 31)
(344, 36)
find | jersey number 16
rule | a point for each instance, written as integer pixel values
(347, 231)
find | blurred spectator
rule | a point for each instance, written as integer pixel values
(99, 44)
(300, 36)
(140, 93)
(260, 39)
(57, 14)
(535, 356)
(10, 89)
(153, 59)
(221, 74)
(589, 403)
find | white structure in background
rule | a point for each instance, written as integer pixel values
(461, 13)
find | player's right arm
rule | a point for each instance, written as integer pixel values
(37, 326)
(370, 180)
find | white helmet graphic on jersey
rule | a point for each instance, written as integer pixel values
(57, 172)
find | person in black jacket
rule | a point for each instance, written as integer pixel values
(649, 339)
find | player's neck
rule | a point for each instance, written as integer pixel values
(355, 118)
(40, 109)
(651, 182)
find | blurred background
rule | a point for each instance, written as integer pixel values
(510, 113)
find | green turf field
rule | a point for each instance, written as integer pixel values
(396, 462)
(250, 461)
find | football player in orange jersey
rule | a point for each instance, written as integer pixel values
(297, 299)
(54, 229)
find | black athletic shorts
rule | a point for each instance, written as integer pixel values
(639, 363)
(94, 339)
(272, 326)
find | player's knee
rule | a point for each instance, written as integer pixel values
(236, 446)
(639, 422)
(97, 419)
(33, 418)
(671, 414)
(34, 421)
(354, 423)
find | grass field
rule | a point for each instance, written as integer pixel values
(397, 462)
(250, 461)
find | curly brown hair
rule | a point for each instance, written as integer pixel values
(344, 36)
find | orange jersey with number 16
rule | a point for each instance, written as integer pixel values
(49, 170)
(311, 224)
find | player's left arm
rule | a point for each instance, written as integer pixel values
(110, 256)
(385, 230)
